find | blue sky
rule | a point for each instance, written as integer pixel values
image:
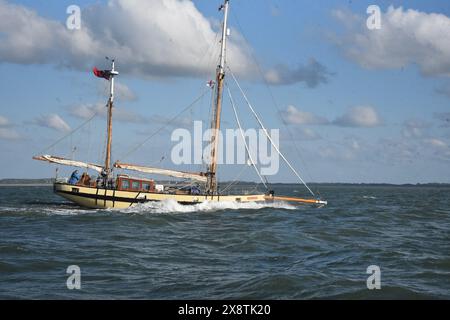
(361, 105)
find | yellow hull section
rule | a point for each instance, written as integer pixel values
(91, 197)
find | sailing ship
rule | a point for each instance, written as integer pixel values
(110, 190)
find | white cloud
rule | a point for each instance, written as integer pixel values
(3, 121)
(307, 134)
(354, 144)
(393, 150)
(347, 17)
(415, 129)
(438, 148)
(52, 121)
(347, 148)
(86, 111)
(434, 142)
(6, 130)
(294, 116)
(396, 150)
(121, 91)
(301, 133)
(312, 74)
(147, 37)
(388, 151)
(406, 37)
(9, 134)
(361, 116)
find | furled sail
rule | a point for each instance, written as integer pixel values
(166, 172)
(68, 162)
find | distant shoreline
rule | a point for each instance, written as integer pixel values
(11, 182)
(25, 184)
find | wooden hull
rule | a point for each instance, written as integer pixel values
(92, 197)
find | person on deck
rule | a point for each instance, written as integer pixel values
(74, 177)
(195, 190)
(85, 179)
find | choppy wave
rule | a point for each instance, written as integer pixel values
(166, 206)
(67, 211)
(227, 250)
(387, 292)
(54, 210)
(171, 206)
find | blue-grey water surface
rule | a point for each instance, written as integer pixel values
(169, 251)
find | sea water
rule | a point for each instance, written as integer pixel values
(165, 250)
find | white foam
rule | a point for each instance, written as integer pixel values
(171, 206)
(45, 210)
(67, 211)
(166, 206)
(7, 209)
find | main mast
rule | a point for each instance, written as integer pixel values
(211, 185)
(112, 73)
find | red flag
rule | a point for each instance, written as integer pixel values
(106, 74)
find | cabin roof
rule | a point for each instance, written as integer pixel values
(125, 176)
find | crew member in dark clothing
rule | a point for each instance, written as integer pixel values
(74, 177)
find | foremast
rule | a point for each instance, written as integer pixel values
(112, 74)
(211, 185)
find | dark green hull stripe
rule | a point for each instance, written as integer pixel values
(113, 198)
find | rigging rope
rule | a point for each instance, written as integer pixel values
(69, 134)
(163, 126)
(243, 138)
(89, 142)
(234, 181)
(267, 134)
(258, 66)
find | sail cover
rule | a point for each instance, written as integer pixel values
(68, 162)
(166, 172)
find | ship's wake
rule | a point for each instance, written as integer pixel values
(171, 206)
(166, 206)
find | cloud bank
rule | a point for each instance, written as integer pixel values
(312, 74)
(150, 38)
(294, 116)
(359, 116)
(52, 121)
(86, 111)
(406, 37)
